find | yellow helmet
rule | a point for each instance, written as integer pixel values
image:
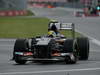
(51, 33)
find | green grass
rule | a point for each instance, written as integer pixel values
(20, 27)
(68, 33)
(17, 27)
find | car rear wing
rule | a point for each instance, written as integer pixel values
(64, 26)
(68, 26)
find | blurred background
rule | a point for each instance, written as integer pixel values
(22, 4)
(13, 4)
(19, 7)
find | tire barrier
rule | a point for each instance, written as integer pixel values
(13, 13)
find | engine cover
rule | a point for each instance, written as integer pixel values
(42, 48)
(43, 41)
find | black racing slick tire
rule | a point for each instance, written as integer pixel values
(18, 60)
(83, 46)
(21, 45)
(69, 47)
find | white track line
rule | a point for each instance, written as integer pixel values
(50, 71)
(95, 41)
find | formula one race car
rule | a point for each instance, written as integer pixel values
(55, 48)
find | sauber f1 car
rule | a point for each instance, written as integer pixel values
(57, 48)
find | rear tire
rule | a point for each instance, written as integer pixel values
(21, 45)
(83, 46)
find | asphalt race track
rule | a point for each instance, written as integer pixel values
(87, 26)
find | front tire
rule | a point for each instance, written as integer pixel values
(83, 46)
(21, 45)
(18, 60)
(69, 47)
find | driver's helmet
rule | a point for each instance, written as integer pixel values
(51, 33)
